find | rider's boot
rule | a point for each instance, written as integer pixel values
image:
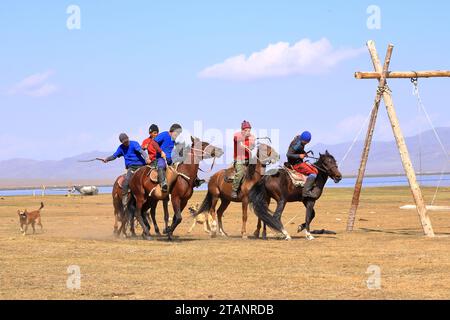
(308, 188)
(234, 194)
(162, 179)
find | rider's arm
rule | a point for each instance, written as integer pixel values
(116, 155)
(142, 152)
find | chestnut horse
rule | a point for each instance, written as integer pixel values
(184, 187)
(220, 188)
(181, 180)
(281, 188)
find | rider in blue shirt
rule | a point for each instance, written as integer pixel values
(166, 141)
(134, 158)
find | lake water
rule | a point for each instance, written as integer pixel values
(429, 180)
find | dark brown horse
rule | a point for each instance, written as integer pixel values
(281, 188)
(221, 188)
(181, 180)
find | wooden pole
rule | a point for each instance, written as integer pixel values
(401, 144)
(370, 130)
(407, 165)
(403, 74)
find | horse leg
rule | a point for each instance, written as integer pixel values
(244, 218)
(212, 213)
(264, 233)
(176, 205)
(139, 217)
(223, 206)
(310, 214)
(281, 204)
(258, 226)
(258, 229)
(153, 215)
(166, 216)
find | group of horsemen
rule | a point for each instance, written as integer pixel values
(166, 148)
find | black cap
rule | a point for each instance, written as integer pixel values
(153, 128)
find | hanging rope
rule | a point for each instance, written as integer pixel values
(355, 139)
(421, 106)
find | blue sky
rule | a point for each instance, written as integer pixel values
(133, 63)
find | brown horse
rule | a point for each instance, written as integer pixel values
(280, 187)
(184, 187)
(123, 219)
(147, 192)
(219, 187)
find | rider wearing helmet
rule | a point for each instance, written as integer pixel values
(296, 155)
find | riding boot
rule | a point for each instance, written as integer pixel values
(308, 188)
(234, 194)
(162, 179)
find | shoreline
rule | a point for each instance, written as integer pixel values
(106, 185)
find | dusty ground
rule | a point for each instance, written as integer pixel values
(78, 231)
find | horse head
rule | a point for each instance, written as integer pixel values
(207, 150)
(266, 154)
(328, 164)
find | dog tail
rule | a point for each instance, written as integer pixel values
(42, 206)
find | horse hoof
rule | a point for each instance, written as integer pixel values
(300, 228)
(264, 236)
(213, 234)
(288, 238)
(309, 237)
(147, 237)
(244, 237)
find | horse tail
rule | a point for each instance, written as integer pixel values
(205, 206)
(258, 201)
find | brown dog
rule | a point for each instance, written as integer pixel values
(26, 218)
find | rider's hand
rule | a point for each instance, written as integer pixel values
(163, 155)
(148, 161)
(104, 160)
(302, 156)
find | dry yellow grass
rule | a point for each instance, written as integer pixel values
(78, 231)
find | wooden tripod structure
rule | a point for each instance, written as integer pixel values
(382, 73)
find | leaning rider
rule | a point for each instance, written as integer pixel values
(166, 140)
(134, 158)
(296, 155)
(152, 147)
(244, 142)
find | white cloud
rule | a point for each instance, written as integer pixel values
(282, 59)
(36, 85)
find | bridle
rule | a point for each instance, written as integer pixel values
(203, 151)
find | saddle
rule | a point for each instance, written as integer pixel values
(297, 179)
(229, 174)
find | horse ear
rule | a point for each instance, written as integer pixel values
(327, 153)
(320, 155)
(192, 139)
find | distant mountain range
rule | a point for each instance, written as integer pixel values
(384, 159)
(425, 151)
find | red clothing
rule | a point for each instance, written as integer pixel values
(152, 148)
(241, 153)
(305, 168)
